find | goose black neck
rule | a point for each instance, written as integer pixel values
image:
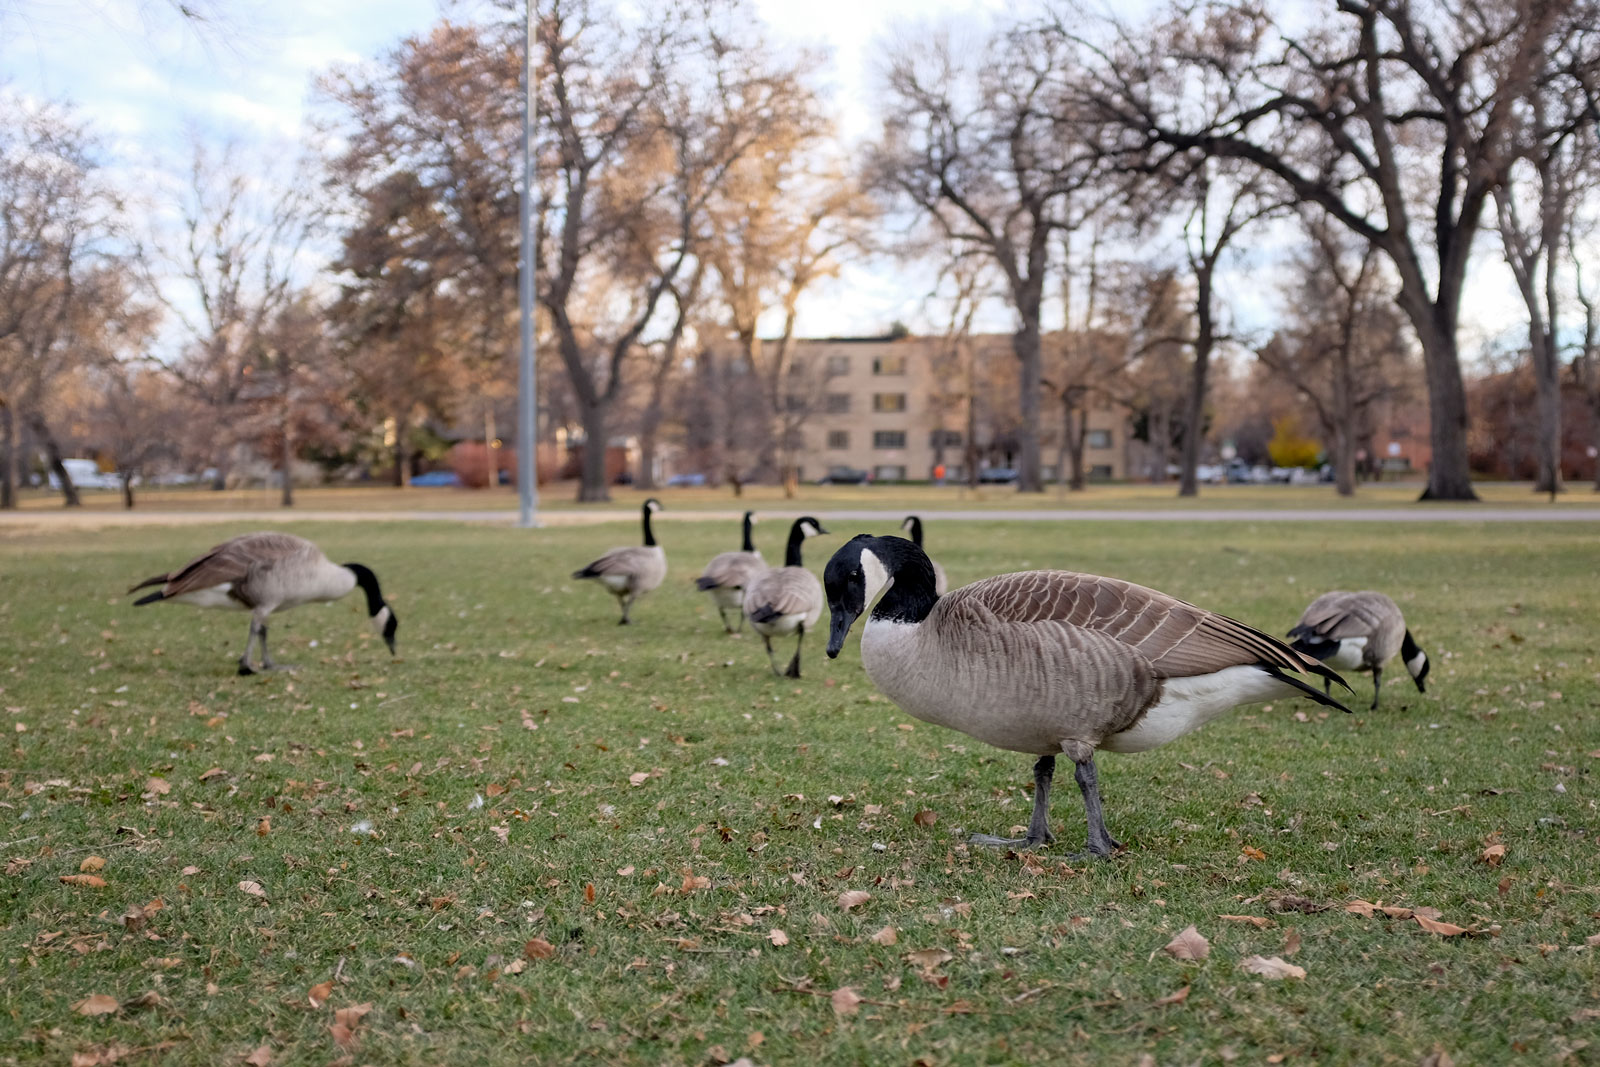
(1408, 648)
(368, 583)
(791, 554)
(911, 594)
(916, 531)
(748, 545)
(649, 534)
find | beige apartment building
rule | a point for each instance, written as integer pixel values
(882, 405)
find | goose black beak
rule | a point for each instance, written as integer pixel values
(839, 623)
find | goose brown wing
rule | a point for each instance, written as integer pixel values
(1338, 615)
(1178, 639)
(785, 591)
(733, 569)
(233, 561)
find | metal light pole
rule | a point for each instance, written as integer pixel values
(527, 385)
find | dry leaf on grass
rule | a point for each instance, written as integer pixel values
(96, 1004)
(889, 935)
(352, 1015)
(1272, 967)
(1291, 941)
(1437, 1058)
(343, 1036)
(1253, 853)
(215, 772)
(846, 1002)
(319, 994)
(1443, 929)
(538, 949)
(1493, 855)
(929, 958)
(261, 1057)
(148, 999)
(87, 881)
(777, 937)
(159, 786)
(853, 898)
(638, 778)
(91, 864)
(925, 817)
(1175, 998)
(1190, 944)
(1259, 922)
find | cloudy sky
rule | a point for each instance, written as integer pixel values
(148, 83)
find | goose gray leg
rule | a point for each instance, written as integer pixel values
(1377, 683)
(244, 660)
(266, 657)
(794, 664)
(723, 614)
(627, 606)
(1101, 843)
(770, 660)
(1044, 772)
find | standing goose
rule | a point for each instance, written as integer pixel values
(914, 525)
(787, 599)
(633, 570)
(1051, 661)
(266, 572)
(1359, 632)
(726, 576)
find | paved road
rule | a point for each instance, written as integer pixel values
(47, 520)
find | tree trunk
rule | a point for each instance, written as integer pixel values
(1077, 432)
(491, 454)
(1344, 461)
(1547, 382)
(1160, 433)
(714, 390)
(69, 492)
(593, 488)
(11, 467)
(286, 458)
(127, 490)
(1195, 406)
(1449, 474)
(401, 426)
(1027, 347)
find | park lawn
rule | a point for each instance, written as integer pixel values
(655, 807)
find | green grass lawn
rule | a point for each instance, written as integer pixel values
(584, 839)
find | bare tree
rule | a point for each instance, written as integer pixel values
(1341, 349)
(985, 153)
(1398, 119)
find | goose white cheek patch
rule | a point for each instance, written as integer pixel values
(809, 530)
(1416, 663)
(381, 619)
(874, 574)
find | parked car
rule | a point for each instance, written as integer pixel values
(436, 479)
(86, 474)
(844, 476)
(1238, 472)
(687, 480)
(997, 475)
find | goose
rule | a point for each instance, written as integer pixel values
(1048, 662)
(632, 570)
(264, 573)
(726, 576)
(913, 524)
(787, 599)
(1359, 632)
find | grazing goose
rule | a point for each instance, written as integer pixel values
(633, 570)
(1051, 662)
(914, 525)
(726, 576)
(266, 572)
(1359, 632)
(787, 599)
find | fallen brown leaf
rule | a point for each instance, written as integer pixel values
(215, 772)
(1363, 908)
(1437, 1058)
(1273, 967)
(846, 1002)
(1493, 855)
(91, 864)
(925, 817)
(638, 778)
(87, 881)
(1253, 853)
(261, 1057)
(777, 937)
(929, 958)
(252, 889)
(343, 1036)
(159, 786)
(1175, 998)
(1259, 922)
(1443, 929)
(1190, 944)
(889, 935)
(853, 898)
(149, 999)
(1291, 941)
(352, 1015)
(538, 949)
(263, 827)
(96, 1004)
(318, 994)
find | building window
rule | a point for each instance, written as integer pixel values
(888, 401)
(889, 366)
(838, 366)
(794, 403)
(889, 439)
(838, 404)
(887, 473)
(838, 439)
(1099, 439)
(1100, 472)
(947, 438)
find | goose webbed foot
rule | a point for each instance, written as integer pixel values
(793, 670)
(245, 669)
(1101, 844)
(1039, 833)
(1015, 843)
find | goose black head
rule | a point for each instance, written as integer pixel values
(383, 616)
(867, 566)
(1416, 661)
(913, 526)
(652, 505)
